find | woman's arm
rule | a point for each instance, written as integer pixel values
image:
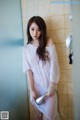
(31, 83)
(54, 69)
(28, 71)
(51, 88)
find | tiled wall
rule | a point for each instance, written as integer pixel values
(59, 27)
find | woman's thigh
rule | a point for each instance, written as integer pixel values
(44, 117)
(37, 114)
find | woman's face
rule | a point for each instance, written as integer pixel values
(35, 32)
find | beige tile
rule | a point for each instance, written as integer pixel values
(64, 112)
(70, 100)
(63, 87)
(54, 36)
(31, 12)
(48, 23)
(63, 100)
(70, 88)
(58, 36)
(63, 76)
(42, 2)
(61, 49)
(67, 8)
(62, 62)
(67, 22)
(63, 70)
(24, 4)
(57, 22)
(50, 34)
(70, 113)
(44, 10)
(69, 75)
(30, 4)
(57, 9)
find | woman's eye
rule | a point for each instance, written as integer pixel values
(39, 30)
(32, 29)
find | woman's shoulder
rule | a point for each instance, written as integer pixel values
(26, 49)
(50, 42)
(26, 46)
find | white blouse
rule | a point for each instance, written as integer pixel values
(43, 73)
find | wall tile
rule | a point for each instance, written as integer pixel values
(70, 100)
(63, 99)
(58, 36)
(31, 12)
(63, 76)
(70, 88)
(67, 9)
(61, 49)
(42, 2)
(69, 75)
(70, 113)
(44, 11)
(63, 87)
(57, 9)
(57, 22)
(48, 23)
(64, 112)
(62, 62)
(67, 22)
(50, 34)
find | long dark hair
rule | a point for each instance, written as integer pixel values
(41, 51)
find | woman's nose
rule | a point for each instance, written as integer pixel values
(35, 32)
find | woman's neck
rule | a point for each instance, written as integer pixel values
(35, 42)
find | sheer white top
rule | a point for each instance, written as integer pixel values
(43, 73)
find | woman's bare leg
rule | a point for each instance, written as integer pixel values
(44, 117)
(37, 114)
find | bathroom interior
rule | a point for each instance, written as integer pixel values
(62, 20)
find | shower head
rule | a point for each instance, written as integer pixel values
(41, 99)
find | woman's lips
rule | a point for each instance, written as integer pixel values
(34, 36)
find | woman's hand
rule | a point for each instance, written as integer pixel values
(51, 89)
(33, 94)
(50, 92)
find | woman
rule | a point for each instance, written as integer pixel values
(40, 64)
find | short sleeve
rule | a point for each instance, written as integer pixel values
(54, 65)
(26, 65)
